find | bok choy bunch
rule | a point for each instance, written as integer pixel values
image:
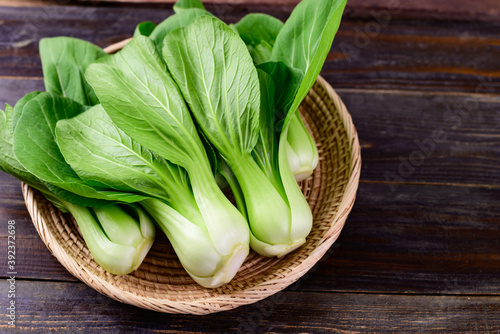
(100, 151)
(220, 84)
(118, 237)
(140, 97)
(129, 140)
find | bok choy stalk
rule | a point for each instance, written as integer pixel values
(219, 82)
(259, 32)
(141, 98)
(303, 44)
(118, 240)
(298, 54)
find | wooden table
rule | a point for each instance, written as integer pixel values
(421, 249)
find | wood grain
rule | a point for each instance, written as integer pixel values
(421, 137)
(74, 307)
(484, 10)
(393, 54)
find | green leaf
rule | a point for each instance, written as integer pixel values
(143, 100)
(305, 40)
(287, 81)
(99, 151)
(10, 164)
(182, 5)
(265, 152)
(144, 28)
(64, 61)
(259, 32)
(8, 161)
(219, 82)
(176, 21)
(36, 149)
(18, 108)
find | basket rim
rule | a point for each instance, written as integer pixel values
(235, 298)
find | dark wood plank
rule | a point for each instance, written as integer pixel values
(425, 9)
(376, 52)
(13, 89)
(415, 239)
(33, 259)
(12, 207)
(71, 307)
(415, 55)
(427, 137)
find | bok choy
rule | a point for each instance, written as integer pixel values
(150, 109)
(129, 140)
(118, 237)
(99, 150)
(220, 84)
(259, 32)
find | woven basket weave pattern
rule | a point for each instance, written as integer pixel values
(161, 283)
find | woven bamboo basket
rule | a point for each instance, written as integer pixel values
(161, 284)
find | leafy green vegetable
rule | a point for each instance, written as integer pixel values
(117, 240)
(18, 108)
(110, 254)
(119, 129)
(181, 19)
(145, 28)
(8, 161)
(220, 84)
(259, 32)
(286, 82)
(102, 151)
(10, 164)
(182, 5)
(36, 149)
(151, 111)
(64, 61)
(215, 74)
(301, 150)
(305, 40)
(265, 151)
(99, 151)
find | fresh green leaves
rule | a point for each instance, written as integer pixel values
(8, 161)
(139, 95)
(144, 28)
(182, 5)
(181, 19)
(99, 151)
(305, 40)
(18, 108)
(117, 240)
(142, 99)
(265, 151)
(218, 81)
(64, 61)
(259, 32)
(36, 149)
(120, 129)
(287, 81)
